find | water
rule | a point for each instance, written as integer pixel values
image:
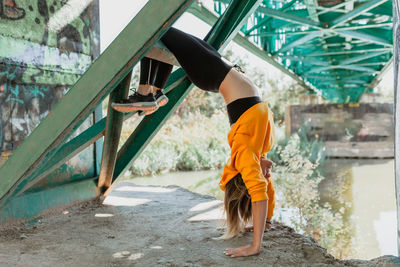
(365, 189)
(370, 204)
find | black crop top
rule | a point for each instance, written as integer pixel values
(239, 106)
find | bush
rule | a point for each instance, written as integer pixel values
(188, 141)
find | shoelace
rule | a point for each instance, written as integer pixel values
(238, 68)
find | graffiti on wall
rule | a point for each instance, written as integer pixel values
(40, 59)
(51, 45)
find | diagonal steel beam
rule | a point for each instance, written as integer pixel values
(347, 67)
(297, 42)
(98, 81)
(335, 7)
(207, 16)
(361, 57)
(344, 52)
(360, 34)
(65, 153)
(325, 31)
(309, 61)
(268, 19)
(225, 29)
(355, 12)
(289, 17)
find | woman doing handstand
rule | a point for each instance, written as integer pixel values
(249, 192)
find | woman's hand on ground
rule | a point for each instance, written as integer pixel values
(244, 251)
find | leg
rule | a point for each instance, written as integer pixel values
(201, 62)
(143, 99)
(163, 72)
(147, 76)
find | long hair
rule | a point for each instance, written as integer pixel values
(237, 204)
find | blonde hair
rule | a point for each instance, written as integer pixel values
(237, 205)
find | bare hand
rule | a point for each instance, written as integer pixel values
(244, 251)
(266, 166)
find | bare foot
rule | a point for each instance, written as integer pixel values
(244, 251)
(250, 228)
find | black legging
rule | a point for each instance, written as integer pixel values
(201, 62)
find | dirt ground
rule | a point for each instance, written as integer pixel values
(152, 226)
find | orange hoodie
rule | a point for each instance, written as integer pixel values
(250, 138)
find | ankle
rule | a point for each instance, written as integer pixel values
(144, 89)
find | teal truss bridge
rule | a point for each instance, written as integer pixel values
(338, 48)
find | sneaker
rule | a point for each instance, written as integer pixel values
(136, 102)
(161, 99)
(145, 113)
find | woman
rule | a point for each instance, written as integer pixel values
(248, 189)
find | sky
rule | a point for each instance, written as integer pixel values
(116, 14)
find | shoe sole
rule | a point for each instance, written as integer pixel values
(162, 101)
(126, 108)
(145, 113)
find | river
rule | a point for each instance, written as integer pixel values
(368, 192)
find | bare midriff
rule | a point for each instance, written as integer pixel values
(236, 85)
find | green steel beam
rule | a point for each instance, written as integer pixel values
(309, 61)
(208, 17)
(386, 9)
(33, 203)
(343, 52)
(335, 7)
(297, 42)
(267, 19)
(289, 17)
(347, 67)
(112, 134)
(224, 30)
(355, 12)
(368, 47)
(364, 35)
(338, 75)
(65, 153)
(362, 57)
(342, 81)
(358, 27)
(98, 81)
(149, 127)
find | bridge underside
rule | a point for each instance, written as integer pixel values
(340, 49)
(334, 48)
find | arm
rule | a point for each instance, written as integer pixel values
(259, 209)
(266, 166)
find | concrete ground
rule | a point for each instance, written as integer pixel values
(152, 226)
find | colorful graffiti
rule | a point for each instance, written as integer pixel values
(39, 62)
(9, 10)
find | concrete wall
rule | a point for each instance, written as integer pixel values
(348, 130)
(45, 46)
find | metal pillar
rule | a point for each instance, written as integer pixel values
(112, 134)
